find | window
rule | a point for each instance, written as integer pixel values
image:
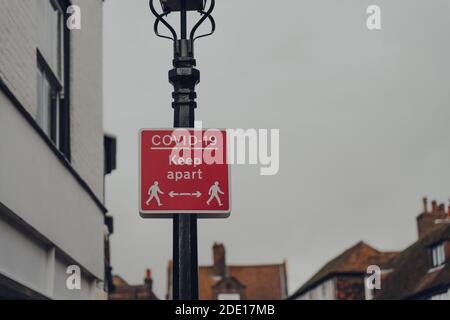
(50, 37)
(49, 100)
(441, 296)
(369, 293)
(323, 291)
(52, 73)
(229, 296)
(438, 255)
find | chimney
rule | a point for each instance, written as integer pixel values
(148, 281)
(426, 220)
(219, 259)
(434, 207)
(425, 205)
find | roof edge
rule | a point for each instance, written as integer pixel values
(328, 276)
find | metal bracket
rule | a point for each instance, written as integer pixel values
(160, 19)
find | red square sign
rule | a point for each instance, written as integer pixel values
(184, 171)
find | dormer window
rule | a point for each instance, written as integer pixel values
(438, 255)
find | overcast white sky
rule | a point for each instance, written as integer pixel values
(364, 119)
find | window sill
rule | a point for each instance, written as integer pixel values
(436, 268)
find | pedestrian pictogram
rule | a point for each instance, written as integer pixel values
(154, 193)
(214, 192)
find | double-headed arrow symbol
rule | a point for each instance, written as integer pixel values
(173, 194)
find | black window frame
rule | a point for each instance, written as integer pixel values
(60, 118)
(434, 247)
(64, 131)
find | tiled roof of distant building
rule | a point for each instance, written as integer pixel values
(354, 260)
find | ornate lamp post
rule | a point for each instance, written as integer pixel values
(184, 77)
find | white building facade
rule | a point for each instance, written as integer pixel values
(323, 291)
(52, 212)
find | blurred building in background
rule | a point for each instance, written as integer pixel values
(124, 291)
(421, 271)
(53, 152)
(343, 277)
(229, 282)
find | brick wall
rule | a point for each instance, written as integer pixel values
(18, 50)
(350, 288)
(87, 95)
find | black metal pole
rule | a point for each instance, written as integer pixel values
(184, 77)
(183, 20)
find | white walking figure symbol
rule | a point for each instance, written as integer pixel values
(214, 192)
(154, 193)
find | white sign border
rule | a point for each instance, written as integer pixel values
(169, 214)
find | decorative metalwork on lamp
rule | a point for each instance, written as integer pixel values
(184, 76)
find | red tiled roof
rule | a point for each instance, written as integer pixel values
(262, 282)
(252, 282)
(267, 282)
